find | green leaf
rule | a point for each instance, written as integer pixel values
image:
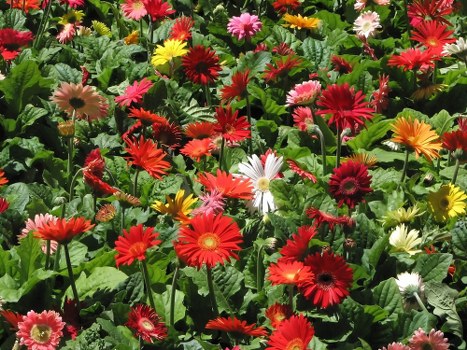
(332, 20)
(29, 252)
(409, 323)
(387, 295)
(64, 73)
(102, 278)
(14, 18)
(373, 132)
(17, 195)
(459, 239)
(29, 116)
(162, 302)
(371, 256)
(433, 267)
(255, 62)
(286, 196)
(316, 51)
(442, 121)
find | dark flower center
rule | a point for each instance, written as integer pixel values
(349, 186)
(76, 102)
(325, 280)
(202, 67)
(444, 203)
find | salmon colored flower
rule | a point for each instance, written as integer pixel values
(434, 340)
(195, 149)
(40, 331)
(134, 244)
(304, 93)
(134, 9)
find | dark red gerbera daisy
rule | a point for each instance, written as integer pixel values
(289, 272)
(146, 155)
(322, 217)
(277, 313)
(134, 93)
(3, 205)
(13, 318)
(455, 141)
(144, 320)
(226, 184)
(201, 65)
(196, 149)
(347, 107)
(412, 59)
(199, 130)
(158, 9)
(283, 49)
(236, 326)
(296, 248)
(294, 333)
(350, 183)
(12, 41)
(134, 244)
(283, 6)
(281, 67)
(63, 230)
(332, 279)
(341, 65)
(433, 35)
(232, 127)
(209, 240)
(422, 10)
(181, 30)
(167, 134)
(238, 87)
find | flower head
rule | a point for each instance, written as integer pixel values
(12, 41)
(199, 130)
(458, 48)
(178, 207)
(146, 117)
(350, 183)
(366, 24)
(201, 65)
(26, 5)
(401, 215)
(321, 217)
(289, 272)
(413, 59)
(456, 142)
(227, 185)
(296, 248)
(434, 340)
(341, 65)
(333, 278)
(423, 10)
(208, 240)
(198, 148)
(134, 93)
(410, 283)
(294, 333)
(232, 127)
(213, 202)
(171, 49)
(261, 176)
(40, 331)
(13, 318)
(146, 323)
(304, 174)
(277, 313)
(403, 240)
(134, 9)
(181, 30)
(134, 244)
(158, 9)
(146, 155)
(244, 26)
(63, 230)
(3, 179)
(448, 202)
(395, 346)
(236, 326)
(347, 107)
(33, 225)
(417, 136)
(304, 93)
(380, 97)
(3, 205)
(238, 87)
(283, 6)
(301, 22)
(433, 35)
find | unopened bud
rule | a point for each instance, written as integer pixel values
(66, 129)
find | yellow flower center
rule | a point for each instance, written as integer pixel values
(146, 324)
(295, 344)
(137, 248)
(263, 184)
(138, 5)
(209, 241)
(41, 333)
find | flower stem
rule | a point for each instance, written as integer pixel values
(259, 270)
(318, 131)
(211, 292)
(406, 10)
(70, 274)
(404, 169)
(338, 149)
(290, 287)
(47, 255)
(248, 114)
(135, 184)
(221, 156)
(72, 185)
(208, 95)
(172, 296)
(147, 282)
(420, 302)
(42, 24)
(456, 171)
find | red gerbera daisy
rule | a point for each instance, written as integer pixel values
(201, 65)
(226, 184)
(25, 5)
(134, 244)
(3, 205)
(98, 186)
(134, 93)
(292, 334)
(237, 89)
(283, 49)
(380, 97)
(433, 35)
(209, 239)
(146, 155)
(332, 279)
(281, 67)
(168, 135)
(181, 30)
(283, 6)
(234, 325)
(146, 323)
(421, 10)
(303, 118)
(13, 318)
(350, 183)
(295, 249)
(158, 9)
(232, 127)
(147, 117)
(11, 42)
(302, 173)
(63, 230)
(40, 331)
(341, 65)
(455, 140)
(322, 217)
(3, 179)
(277, 313)
(346, 106)
(199, 130)
(289, 272)
(94, 162)
(195, 149)
(412, 59)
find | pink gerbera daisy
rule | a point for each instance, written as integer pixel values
(40, 331)
(134, 93)
(434, 340)
(134, 9)
(244, 26)
(304, 93)
(67, 33)
(303, 118)
(366, 24)
(33, 225)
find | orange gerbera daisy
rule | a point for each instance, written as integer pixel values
(209, 239)
(293, 272)
(3, 179)
(63, 230)
(146, 155)
(195, 149)
(292, 334)
(227, 185)
(417, 136)
(199, 130)
(134, 244)
(234, 325)
(147, 117)
(26, 5)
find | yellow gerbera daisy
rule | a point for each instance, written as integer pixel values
(71, 17)
(425, 92)
(178, 208)
(401, 215)
(447, 202)
(164, 53)
(132, 38)
(417, 136)
(301, 22)
(101, 28)
(404, 240)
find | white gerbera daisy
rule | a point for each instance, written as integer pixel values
(458, 48)
(411, 287)
(261, 177)
(404, 240)
(366, 24)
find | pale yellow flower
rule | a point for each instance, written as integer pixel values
(401, 215)
(404, 240)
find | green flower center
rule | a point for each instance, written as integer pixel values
(41, 333)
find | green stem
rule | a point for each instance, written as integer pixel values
(70, 274)
(47, 255)
(221, 155)
(122, 217)
(172, 295)
(208, 95)
(338, 149)
(72, 185)
(420, 302)
(135, 184)
(259, 270)
(57, 257)
(406, 7)
(404, 169)
(290, 287)
(318, 131)
(248, 114)
(147, 283)
(43, 23)
(211, 292)
(456, 171)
